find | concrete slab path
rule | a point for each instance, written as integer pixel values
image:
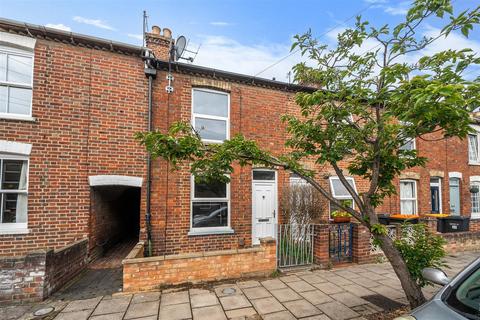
(345, 293)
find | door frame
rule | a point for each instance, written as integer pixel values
(275, 198)
(439, 185)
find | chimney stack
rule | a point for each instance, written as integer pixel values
(160, 43)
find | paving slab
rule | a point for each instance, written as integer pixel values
(143, 309)
(248, 284)
(371, 275)
(146, 297)
(367, 309)
(74, 315)
(256, 293)
(175, 312)
(84, 304)
(301, 286)
(337, 311)
(267, 305)
(358, 290)
(175, 298)
(203, 300)
(367, 283)
(112, 306)
(110, 316)
(302, 308)
(316, 297)
(239, 313)
(290, 278)
(328, 287)
(339, 281)
(389, 292)
(286, 294)
(313, 278)
(234, 302)
(195, 291)
(348, 299)
(347, 274)
(273, 284)
(209, 313)
(318, 317)
(282, 315)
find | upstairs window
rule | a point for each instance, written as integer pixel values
(16, 82)
(408, 197)
(211, 114)
(473, 151)
(409, 146)
(13, 193)
(341, 193)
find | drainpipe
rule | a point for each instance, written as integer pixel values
(150, 73)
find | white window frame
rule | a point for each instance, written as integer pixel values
(474, 181)
(210, 117)
(209, 230)
(439, 184)
(349, 197)
(477, 135)
(22, 53)
(414, 145)
(17, 227)
(409, 199)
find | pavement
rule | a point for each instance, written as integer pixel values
(350, 292)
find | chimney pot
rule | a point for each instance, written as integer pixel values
(167, 33)
(156, 30)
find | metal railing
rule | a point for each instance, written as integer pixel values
(294, 245)
(394, 232)
(340, 242)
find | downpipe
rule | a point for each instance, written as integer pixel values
(150, 72)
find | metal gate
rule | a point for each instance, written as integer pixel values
(294, 245)
(340, 240)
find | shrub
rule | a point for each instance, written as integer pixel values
(420, 249)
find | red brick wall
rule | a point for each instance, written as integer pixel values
(88, 104)
(143, 274)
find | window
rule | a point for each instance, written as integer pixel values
(473, 151)
(408, 197)
(475, 198)
(341, 193)
(210, 114)
(410, 145)
(210, 207)
(263, 175)
(16, 74)
(13, 193)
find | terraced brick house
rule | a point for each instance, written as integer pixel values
(75, 183)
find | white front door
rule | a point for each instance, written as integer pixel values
(264, 210)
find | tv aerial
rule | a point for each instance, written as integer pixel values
(180, 47)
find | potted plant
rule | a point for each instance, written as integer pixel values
(341, 216)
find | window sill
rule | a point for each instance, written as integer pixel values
(17, 117)
(211, 232)
(13, 231)
(474, 163)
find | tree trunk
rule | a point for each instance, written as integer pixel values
(412, 290)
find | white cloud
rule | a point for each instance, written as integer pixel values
(59, 26)
(375, 1)
(396, 11)
(220, 23)
(93, 22)
(224, 53)
(135, 36)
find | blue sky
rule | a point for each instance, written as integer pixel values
(241, 36)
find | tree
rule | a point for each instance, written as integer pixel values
(369, 104)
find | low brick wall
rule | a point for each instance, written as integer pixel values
(22, 278)
(34, 277)
(64, 264)
(142, 274)
(462, 241)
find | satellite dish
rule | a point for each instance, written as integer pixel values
(180, 47)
